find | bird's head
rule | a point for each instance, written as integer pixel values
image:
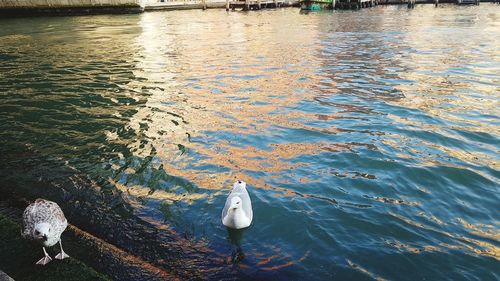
(235, 203)
(42, 231)
(240, 183)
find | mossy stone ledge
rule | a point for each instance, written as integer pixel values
(18, 257)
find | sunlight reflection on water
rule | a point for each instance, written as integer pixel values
(367, 139)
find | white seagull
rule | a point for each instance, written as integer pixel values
(44, 222)
(237, 212)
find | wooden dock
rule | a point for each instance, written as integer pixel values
(248, 5)
(468, 2)
(184, 5)
(257, 5)
(355, 4)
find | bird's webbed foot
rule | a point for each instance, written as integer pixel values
(62, 255)
(45, 260)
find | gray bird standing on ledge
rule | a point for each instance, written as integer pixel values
(44, 222)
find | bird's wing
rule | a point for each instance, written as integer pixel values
(245, 201)
(43, 211)
(226, 206)
(28, 222)
(57, 213)
(56, 216)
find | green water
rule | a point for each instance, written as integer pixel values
(369, 140)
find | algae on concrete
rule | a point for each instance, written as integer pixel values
(4, 276)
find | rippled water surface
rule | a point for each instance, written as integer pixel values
(369, 140)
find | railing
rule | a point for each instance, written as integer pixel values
(183, 4)
(170, 1)
(151, 2)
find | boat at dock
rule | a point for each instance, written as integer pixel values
(468, 2)
(316, 5)
(356, 4)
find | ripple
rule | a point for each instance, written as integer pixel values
(363, 137)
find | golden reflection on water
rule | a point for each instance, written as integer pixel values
(473, 246)
(180, 108)
(364, 270)
(214, 100)
(451, 85)
(248, 103)
(253, 91)
(140, 192)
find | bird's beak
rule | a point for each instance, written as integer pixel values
(44, 238)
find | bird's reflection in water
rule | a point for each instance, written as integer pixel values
(235, 236)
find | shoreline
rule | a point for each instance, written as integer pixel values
(12, 12)
(34, 11)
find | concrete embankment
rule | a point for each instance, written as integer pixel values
(69, 7)
(91, 258)
(14, 8)
(18, 256)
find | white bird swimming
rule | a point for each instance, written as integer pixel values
(237, 212)
(44, 222)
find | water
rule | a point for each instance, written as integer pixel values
(368, 139)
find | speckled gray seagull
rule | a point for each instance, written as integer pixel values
(44, 222)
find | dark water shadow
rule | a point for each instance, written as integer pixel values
(235, 236)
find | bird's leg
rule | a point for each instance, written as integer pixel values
(45, 260)
(62, 255)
